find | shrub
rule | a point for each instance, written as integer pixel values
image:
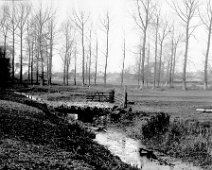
(4, 70)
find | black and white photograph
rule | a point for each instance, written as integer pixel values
(105, 84)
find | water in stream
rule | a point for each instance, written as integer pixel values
(127, 149)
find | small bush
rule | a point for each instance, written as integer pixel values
(4, 72)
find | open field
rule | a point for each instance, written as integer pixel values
(177, 103)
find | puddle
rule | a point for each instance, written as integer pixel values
(127, 150)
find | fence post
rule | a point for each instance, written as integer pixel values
(125, 96)
(111, 96)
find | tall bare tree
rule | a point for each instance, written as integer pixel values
(145, 9)
(176, 41)
(96, 60)
(80, 19)
(207, 22)
(162, 35)
(75, 65)
(123, 61)
(22, 15)
(52, 33)
(106, 25)
(156, 48)
(148, 66)
(171, 59)
(41, 19)
(68, 49)
(186, 13)
(13, 26)
(90, 58)
(4, 23)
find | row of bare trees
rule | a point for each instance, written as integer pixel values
(32, 34)
(148, 18)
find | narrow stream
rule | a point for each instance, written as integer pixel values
(127, 149)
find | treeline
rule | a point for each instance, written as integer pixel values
(33, 36)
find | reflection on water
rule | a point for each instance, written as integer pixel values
(127, 149)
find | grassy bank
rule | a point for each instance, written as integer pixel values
(189, 140)
(31, 138)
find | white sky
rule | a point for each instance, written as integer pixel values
(121, 11)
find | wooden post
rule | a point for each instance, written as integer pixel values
(111, 96)
(125, 96)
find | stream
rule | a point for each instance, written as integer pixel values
(127, 149)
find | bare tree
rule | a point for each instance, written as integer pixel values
(96, 60)
(75, 65)
(106, 25)
(171, 59)
(123, 61)
(68, 49)
(156, 48)
(176, 43)
(207, 22)
(51, 37)
(90, 58)
(4, 23)
(41, 19)
(145, 9)
(22, 15)
(162, 35)
(148, 66)
(13, 26)
(186, 12)
(80, 21)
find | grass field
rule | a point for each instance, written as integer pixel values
(177, 103)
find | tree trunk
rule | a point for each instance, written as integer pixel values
(96, 62)
(67, 73)
(86, 69)
(206, 57)
(89, 68)
(143, 57)
(122, 73)
(160, 62)
(37, 71)
(75, 66)
(148, 69)
(29, 61)
(32, 62)
(185, 56)
(64, 71)
(106, 59)
(50, 57)
(139, 65)
(171, 63)
(21, 57)
(13, 54)
(83, 57)
(156, 51)
(174, 62)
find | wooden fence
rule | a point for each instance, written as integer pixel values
(101, 96)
